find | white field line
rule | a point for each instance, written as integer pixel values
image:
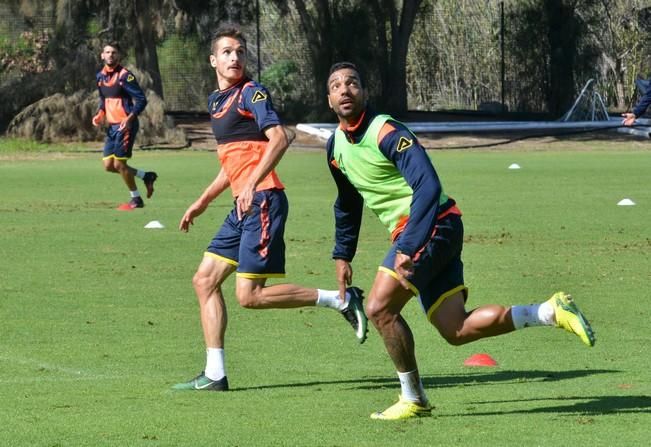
(74, 373)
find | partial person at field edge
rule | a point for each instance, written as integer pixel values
(377, 161)
(121, 100)
(639, 109)
(250, 242)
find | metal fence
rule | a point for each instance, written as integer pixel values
(455, 61)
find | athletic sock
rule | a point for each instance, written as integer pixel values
(140, 173)
(330, 298)
(533, 315)
(134, 193)
(412, 387)
(215, 367)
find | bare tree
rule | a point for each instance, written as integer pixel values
(621, 34)
(393, 53)
(374, 33)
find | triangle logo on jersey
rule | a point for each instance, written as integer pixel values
(258, 96)
(404, 144)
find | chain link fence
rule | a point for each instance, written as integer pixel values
(456, 60)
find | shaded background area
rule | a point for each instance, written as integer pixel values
(517, 59)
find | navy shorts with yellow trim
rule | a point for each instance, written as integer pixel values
(438, 270)
(256, 243)
(119, 143)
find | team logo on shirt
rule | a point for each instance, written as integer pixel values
(130, 78)
(259, 96)
(404, 144)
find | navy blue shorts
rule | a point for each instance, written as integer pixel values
(438, 270)
(118, 144)
(255, 244)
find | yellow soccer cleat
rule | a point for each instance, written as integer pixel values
(570, 318)
(403, 409)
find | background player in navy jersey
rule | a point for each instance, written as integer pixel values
(250, 142)
(378, 161)
(121, 100)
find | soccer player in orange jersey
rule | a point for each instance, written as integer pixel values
(250, 142)
(121, 100)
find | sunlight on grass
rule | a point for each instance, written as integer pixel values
(99, 317)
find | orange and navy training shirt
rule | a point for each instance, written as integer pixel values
(119, 94)
(239, 115)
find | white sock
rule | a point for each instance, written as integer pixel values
(412, 387)
(215, 367)
(330, 298)
(533, 315)
(140, 173)
(134, 193)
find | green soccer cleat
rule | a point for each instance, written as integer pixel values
(403, 409)
(355, 315)
(570, 318)
(203, 383)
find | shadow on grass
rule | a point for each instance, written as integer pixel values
(448, 380)
(587, 406)
(483, 378)
(583, 405)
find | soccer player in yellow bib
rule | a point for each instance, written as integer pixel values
(376, 160)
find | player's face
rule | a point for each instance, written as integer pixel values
(345, 94)
(229, 61)
(110, 56)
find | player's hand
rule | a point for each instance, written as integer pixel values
(629, 119)
(404, 267)
(344, 276)
(244, 201)
(98, 118)
(125, 123)
(188, 218)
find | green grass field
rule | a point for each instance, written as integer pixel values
(98, 318)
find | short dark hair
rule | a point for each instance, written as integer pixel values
(227, 30)
(113, 43)
(340, 66)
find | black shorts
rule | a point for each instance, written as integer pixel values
(255, 244)
(438, 270)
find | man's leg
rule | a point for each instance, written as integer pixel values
(253, 294)
(457, 326)
(123, 141)
(127, 173)
(385, 302)
(128, 176)
(207, 283)
(108, 164)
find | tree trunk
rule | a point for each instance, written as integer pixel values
(394, 87)
(145, 42)
(562, 35)
(317, 31)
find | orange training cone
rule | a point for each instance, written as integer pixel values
(480, 360)
(125, 207)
